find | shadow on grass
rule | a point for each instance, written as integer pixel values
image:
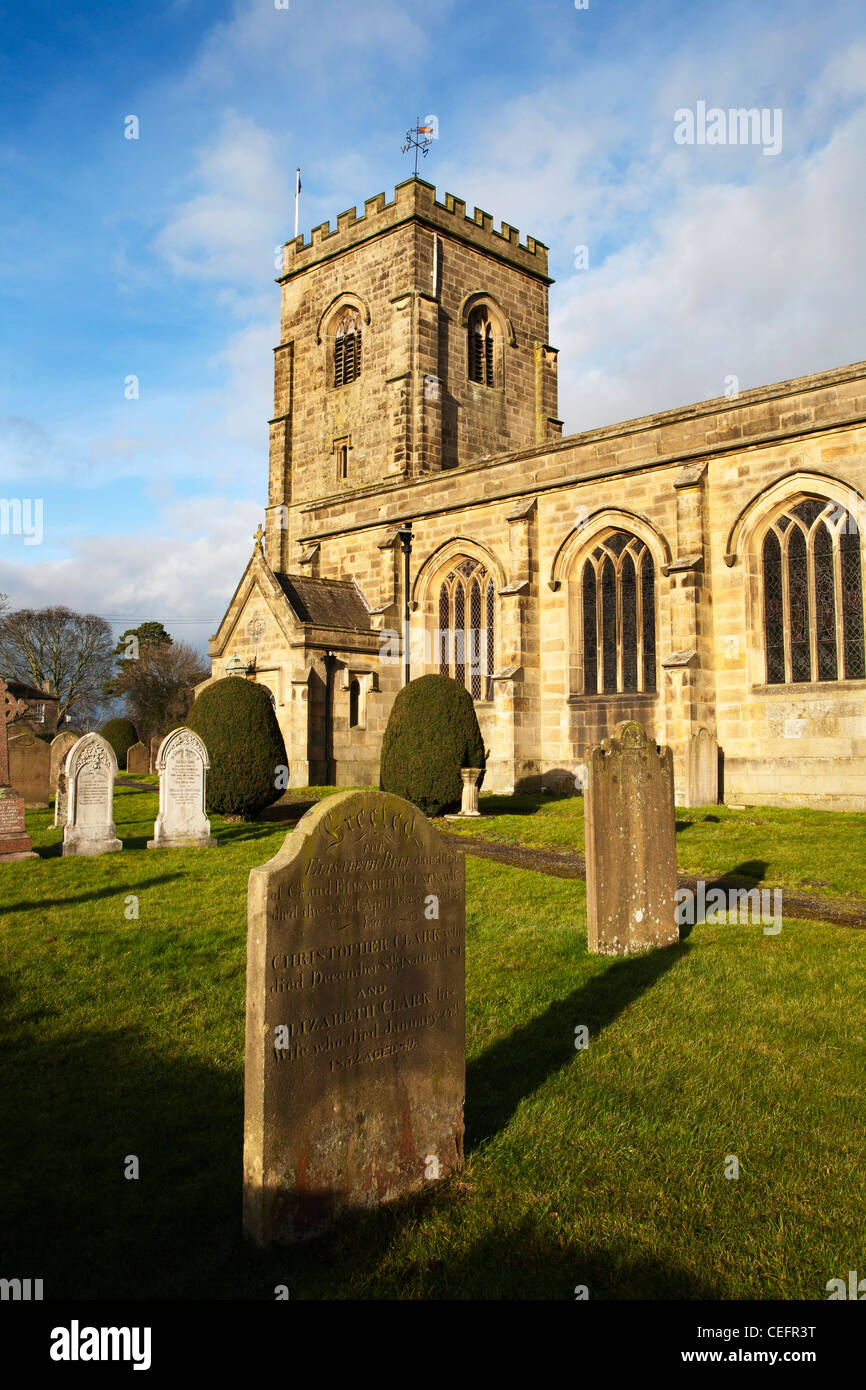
(89, 897)
(514, 1067)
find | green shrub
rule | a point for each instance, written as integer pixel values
(432, 732)
(236, 720)
(120, 733)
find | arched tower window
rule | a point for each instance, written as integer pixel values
(481, 342)
(617, 595)
(466, 639)
(347, 347)
(812, 585)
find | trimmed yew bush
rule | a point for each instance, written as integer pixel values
(236, 720)
(121, 734)
(432, 732)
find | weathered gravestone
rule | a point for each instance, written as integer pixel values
(60, 800)
(138, 759)
(15, 843)
(182, 822)
(631, 864)
(154, 750)
(60, 746)
(703, 786)
(355, 1027)
(30, 768)
(91, 768)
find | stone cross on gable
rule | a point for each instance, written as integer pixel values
(11, 709)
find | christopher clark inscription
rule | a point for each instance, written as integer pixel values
(355, 1027)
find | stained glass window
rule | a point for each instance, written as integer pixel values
(491, 656)
(811, 559)
(443, 635)
(617, 594)
(466, 617)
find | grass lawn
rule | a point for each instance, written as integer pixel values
(822, 852)
(603, 1167)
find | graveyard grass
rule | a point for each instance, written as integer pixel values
(602, 1167)
(819, 852)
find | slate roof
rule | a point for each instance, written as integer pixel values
(28, 692)
(325, 602)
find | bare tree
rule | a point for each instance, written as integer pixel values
(158, 686)
(73, 650)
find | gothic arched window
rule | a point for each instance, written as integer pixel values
(347, 348)
(813, 595)
(480, 346)
(465, 638)
(617, 593)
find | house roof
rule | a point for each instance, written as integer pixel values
(28, 692)
(325, 602)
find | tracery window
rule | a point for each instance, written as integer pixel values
(480, 346)
(813, 595)
(617, 590)
(466, 638)
(347, 347)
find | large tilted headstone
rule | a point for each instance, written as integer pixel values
(182, 764)
(631, 861)
(703, 785)
(30, 767)
(355, 1028)
(138, 760)
(15, 843)
(91, 768)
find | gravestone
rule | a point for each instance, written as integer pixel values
(703, 787)
(91, 768)
(15, 843)
(355, 1029)
(60, 799)
(154, 750)
(60, 746)
(631, 863)
(182, 821)
(138, 759)
(30, 768)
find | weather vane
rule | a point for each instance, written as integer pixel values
(425, 131)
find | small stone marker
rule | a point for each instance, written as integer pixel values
(154, 750)
(91, 768)
(60, 800)
(60, 746)
(182, 764)
(469, 801)
(15, 843)
(631, 862)
(703, 789)
(30, 768)
(355, 1030)
(138, 759)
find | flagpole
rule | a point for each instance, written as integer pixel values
(297, 197)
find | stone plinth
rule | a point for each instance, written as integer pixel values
(631, 863)
(15, 843)
(182, 764)
(469, 801)
(91, 768)
(355, 1028)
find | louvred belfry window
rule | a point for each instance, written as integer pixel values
(347, 348)
(812, 584)
(481, 359)
(466, 639)
(617, 594)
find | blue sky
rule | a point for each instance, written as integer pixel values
(155, 257)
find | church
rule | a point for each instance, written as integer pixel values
(699, 570)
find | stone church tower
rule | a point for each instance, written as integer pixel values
(700, 570)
